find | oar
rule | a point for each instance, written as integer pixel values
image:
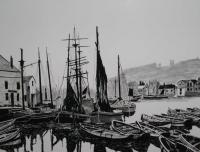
(138, 124)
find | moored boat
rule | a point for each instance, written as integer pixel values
(105, 117)
(11, 134)
(97, 132)
(191, 141)
(157, 121)
(124, 128)
(154, 97)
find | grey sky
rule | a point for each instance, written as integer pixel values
(141, 31)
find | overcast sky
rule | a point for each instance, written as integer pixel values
(141, 31)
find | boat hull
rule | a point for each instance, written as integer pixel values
(105, 117)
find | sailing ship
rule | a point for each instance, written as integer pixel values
(103, 111)
(73, 103)
(126, 106)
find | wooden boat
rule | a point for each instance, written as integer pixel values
(68, 117)
(154, 132)
(128, 129)
(94, 131)
(11, 134)
(6, 124)
(135, 98)
(126, 106)
(103, 109)
(105, 117)
(167, 145)
(177, 121)
(157, 121)
(190, 141)
(195, 109)
(14, 143)
(154, 97)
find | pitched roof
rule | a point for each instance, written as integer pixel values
(28, 78)
(193, 80)
(5, 65)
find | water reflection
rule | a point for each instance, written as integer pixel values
(48, 138)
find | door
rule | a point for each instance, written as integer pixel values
(12, 99)
(32, 100)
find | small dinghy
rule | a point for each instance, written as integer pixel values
(11, 134)
(97, 132)
(128, 129)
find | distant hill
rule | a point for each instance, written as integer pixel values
(187, 69)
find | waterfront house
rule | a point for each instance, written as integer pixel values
(10, 84)
(30, 91)
(167, 90)
(188, 87)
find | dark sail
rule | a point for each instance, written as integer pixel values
(130, 92)
(70, 101)
(101, 82)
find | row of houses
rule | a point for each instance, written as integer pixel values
(10, 85)
(183, 88)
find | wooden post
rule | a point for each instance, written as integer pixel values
(40, 83)
(115, 88)
(22, 78)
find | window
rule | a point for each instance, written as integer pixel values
(18, 85)
(24, 97)
(32, 83)
(18, 97)
(6, 96)
(6, 84)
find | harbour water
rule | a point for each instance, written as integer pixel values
(43, 140)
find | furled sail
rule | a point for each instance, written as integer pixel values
(101, 83)
(70, 101)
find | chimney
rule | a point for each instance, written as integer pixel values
(11, 61)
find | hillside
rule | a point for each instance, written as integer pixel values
(187, 69)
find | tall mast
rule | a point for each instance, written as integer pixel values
(76, 65)
(80, 75)
(115, 88)
(68, 61)
(119, 78)
(40, 83)
(97, 47)
(22, 78)
(51, 98)
(88, 83)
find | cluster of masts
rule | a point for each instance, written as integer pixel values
(74, 65)
(40, 81)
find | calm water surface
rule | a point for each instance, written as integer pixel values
(43, 140)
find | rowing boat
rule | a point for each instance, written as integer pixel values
(191, 141)
(97, 132)
(167, 145)
(157, 121)
(128, 129)
(11, 134)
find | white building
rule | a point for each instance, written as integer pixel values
(10, 83)
(30, 91)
